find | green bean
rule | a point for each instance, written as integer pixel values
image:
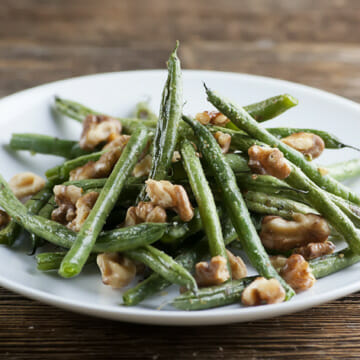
(45, 212)
(85, 240)
(205, 200)
(330, 264)
(268, 184)
(167, 126)
(230, 292)
(62, 171)
(188, 258)
(52, 260)
(237, 162)
(275, 205)
(180, 230)
(11, 231)
(44, 144)
(244, 121)
(214, 296)
(79, 112)
(34, 206)
(235, 204)
(271, 107)
(163, 265)
(320, 200)
(117, 240)
(344, 170)
(330, 140)
(143, 112)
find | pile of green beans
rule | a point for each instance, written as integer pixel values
(228, 201)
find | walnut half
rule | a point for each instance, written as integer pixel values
(307, 143)
(263, 291)
(268, 161)
(297, 273)
(116, 270)
(145, 212)
(73, 207)
(280, 234)
(169, 196)
(26, 184)
(98, 129)
(211, 273)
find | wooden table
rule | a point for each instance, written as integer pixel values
(312, 42)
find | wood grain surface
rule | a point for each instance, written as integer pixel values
(313, 42)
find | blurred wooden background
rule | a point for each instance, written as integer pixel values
(313, 42)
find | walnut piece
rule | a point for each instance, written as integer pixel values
(83, 208)
(315, 250)
(211, 273)
(170, 196)
(4, 219)
(26, 184)
(307, 143)
(263, 291)
(116, 270)
(238, 267)
(73, 207)
(297, 273)
(97, 169)
(119, 141)
(280, 234)
(268, 161)
(142, 168)
(145, 212)
(212, 117)
(66, 198)
(98, 129)
(224, 141)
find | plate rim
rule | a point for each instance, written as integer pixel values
(169, 317)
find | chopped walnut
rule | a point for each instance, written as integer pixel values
(143, 167)
(176, 157)
(278, 262)
(26, 184)
(238, 267)
(97, 169)
(145, 212)
(4, 219)
(263, 291)
(211, 273)
(116, 270)
(224, 141)
(315, 250)
(268, 161)
(307, 143)
(213, 117)
(98, 129)
(297, 273)
(170, 196)
(83, 208)
(119, 141)
(66, 198)
(280, 234)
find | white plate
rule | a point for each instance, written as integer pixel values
(117, 93)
